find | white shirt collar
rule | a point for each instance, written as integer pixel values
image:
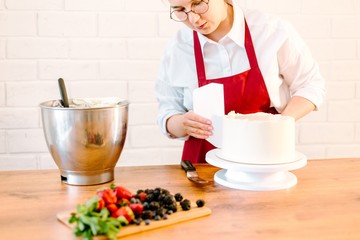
(237, 31)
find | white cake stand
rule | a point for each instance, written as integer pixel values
(255, 177)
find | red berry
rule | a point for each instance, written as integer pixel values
(125, 212)
(142, 196)
(107, 195)
(137, 208)
(112, 207)
(101, 204)
(122, 192)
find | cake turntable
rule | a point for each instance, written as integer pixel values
(255, 177)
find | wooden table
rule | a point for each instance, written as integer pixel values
(325, 204)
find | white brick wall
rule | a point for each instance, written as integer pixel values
(112, 48)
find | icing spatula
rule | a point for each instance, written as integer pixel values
(191, 173)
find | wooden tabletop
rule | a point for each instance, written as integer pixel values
(325, 204)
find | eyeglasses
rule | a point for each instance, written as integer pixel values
(196, 7)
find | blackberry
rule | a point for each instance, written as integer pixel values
(161, 197)
(137, 221)
(158, 189)
(200, 203)
(154, 205)
(165, 191)
(146, 206)
(147, 214)
(172, 207)
(185, 205)
(168, 199)
(178, 197)
(157, 192)
(159, 203)
(150, 197)
(149, 191)
(160, 212)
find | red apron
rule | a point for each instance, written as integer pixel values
(243, 93)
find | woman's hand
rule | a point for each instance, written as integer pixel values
(298, 107)
(196, 125)
(189, 124)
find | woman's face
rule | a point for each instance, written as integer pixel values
(206, 23)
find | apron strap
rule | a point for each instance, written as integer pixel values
(249, 46)
(199, 61)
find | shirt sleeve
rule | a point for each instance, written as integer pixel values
(169, 96)
(299, 69)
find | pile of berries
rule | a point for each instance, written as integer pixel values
(145, 205)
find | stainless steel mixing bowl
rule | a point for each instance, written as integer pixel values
(85, 142)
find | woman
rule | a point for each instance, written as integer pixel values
(261, 61)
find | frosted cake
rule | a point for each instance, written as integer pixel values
(258, 138)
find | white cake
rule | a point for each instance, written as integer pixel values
(258, 138)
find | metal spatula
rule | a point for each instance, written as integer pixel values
(191, 173)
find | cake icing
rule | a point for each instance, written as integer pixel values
(258, 138)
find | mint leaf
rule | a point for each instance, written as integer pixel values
(89, 222)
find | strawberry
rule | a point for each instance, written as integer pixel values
(142, 196)
(101, 204)
(107, 195)
(112, 207)
(137, 208)
(123, 202)
(125, 212)
(122, 192)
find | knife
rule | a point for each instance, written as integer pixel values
(191, 173)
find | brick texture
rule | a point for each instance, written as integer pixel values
(106, 48)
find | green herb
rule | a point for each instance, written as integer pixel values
(91, 222)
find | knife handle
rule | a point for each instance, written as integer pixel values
(187, 166)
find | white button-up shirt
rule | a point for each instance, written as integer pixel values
(285, 61)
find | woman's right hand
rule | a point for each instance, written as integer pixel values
(196, 126)
(189, 124)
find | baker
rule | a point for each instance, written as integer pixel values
(262, 62)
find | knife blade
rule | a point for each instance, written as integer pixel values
(191, 173)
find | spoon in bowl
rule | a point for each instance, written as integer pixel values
(64, 97)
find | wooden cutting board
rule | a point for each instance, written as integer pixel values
(177, 217)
